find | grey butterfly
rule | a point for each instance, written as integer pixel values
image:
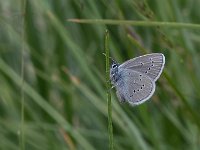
(135, 79)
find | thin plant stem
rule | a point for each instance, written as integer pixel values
(108, 86)
(22, 142)
(136, 23)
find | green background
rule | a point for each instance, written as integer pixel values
(64, 88)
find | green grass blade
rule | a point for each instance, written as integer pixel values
(108, 87)
(137, 23)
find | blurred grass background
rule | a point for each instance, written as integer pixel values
(64, 89)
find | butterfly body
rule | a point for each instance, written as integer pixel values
(135, 79)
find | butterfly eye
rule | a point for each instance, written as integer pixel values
(113, 66)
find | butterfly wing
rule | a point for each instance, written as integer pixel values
(151, 64)
(134, 87)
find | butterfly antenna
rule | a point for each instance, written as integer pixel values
(113, 61)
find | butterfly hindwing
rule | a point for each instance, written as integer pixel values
(134, 87)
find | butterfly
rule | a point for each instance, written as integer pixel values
(135, 79)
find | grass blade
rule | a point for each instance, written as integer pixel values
(136, 23)
(110, 128)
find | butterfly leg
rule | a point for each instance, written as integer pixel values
(108, 80)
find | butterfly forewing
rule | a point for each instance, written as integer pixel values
(150, 64)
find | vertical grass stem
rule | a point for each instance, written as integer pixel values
(22, 142)
(108, 86)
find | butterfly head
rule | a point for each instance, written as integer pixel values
(114, 71)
